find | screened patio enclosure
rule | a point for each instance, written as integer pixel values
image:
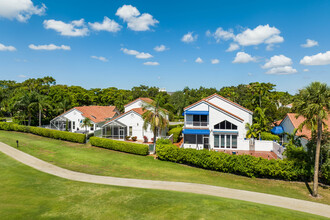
(60, 123)
(114, 130)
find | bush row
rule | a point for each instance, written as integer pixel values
(269, 136)
(62, 135)
(133, 148)
(176, 133)
(245, 165)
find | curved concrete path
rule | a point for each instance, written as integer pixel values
(262, 198)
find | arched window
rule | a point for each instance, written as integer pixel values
(225, 125)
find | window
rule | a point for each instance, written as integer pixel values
(73, 125)
(225, 125)
(203, 118)
(130, 131)
(227, 141)
(234, 141)
(92, 127)
(190, 139)
(216, 141)
(196, 118)
(199, 139)
(222, 141)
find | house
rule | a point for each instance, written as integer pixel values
(290, 122)
(130, 123)
(216, 123)
(73, 118)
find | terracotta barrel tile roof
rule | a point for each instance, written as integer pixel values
(97, 113)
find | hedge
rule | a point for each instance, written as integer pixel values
(170, 127)
(176, 133)
(62, 135)
(269, 136)
(133, 148)
(245, 165)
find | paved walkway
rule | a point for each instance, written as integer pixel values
(262, 198)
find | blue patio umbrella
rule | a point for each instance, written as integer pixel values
(277, 130)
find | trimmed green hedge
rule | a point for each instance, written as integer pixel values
(133, 148)
(170, 127)
(269, 136)
(62, 135)
(245, 165)
(176, 133)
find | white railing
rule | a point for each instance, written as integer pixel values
(196, 124)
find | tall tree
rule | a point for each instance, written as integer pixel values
(40, 103)
(313, 103)
(86, 123)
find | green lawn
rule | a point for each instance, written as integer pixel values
(29, 194)
(87, 159)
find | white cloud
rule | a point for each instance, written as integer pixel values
(100, 58)
(221, 34)
(189, 37)
(232, 47)
(310, 43)
(199, 60)
(161, 48)
(137, 54)
(306, 70)
(136, 21)
(21, 10)
(6, 48)
(277, 61)
(74, 28)
(22, 76)
(49, 47)
(107, 25)
(318, 59)
(242, 57)
(215, 61)
(259, 35)
(151, 63)
(282, 70)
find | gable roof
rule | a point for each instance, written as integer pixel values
(139, 111)
(297, 121)
(144, 99)
(223, 98)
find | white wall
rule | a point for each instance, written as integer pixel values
(75, 116)
(288, 128)
(136, 104)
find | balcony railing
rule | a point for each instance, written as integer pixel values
(196, 124)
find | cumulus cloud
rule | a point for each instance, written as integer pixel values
(189, 37)
(282, 70)
(199, 60)
(74, 28)
(232, 47)
(161, 48)
(107, 25)
(221, 34)
(22, 76)
(22, 10)
(215, 61)
(242, 57)
(136, 21)
(49, 47)
(310, 43)
(7, 48)
(151, 63)
(103, 59)
(318, 59)
(137, 54)
(278, 60)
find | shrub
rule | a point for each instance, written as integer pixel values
(325, 172)
(177, 131)
(134, 138)
(127, 138)
(62, 135)
(133, 148)
(245, 165)
(269, 136)
(145, 139)
(170, 127)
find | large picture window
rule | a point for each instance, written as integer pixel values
(225, 125)
(225, 141)
(216, 141)
(190, 139)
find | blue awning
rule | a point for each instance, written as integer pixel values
(196, 131)
(227, 131)
(277, 130)
(196, 113)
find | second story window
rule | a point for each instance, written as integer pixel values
(225, 125)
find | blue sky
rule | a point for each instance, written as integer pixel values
(268, 34)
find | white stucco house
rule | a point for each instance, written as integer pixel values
(130, 123)
(216, 123)
(73, 118)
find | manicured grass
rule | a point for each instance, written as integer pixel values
(87, 159)
(30, 194)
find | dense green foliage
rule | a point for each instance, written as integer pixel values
(177, 131)
(133, 148)
(245, 165)
(269, 136)
(62, 135)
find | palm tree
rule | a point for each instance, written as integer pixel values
(155, 117)
(293, 138)
(63, 106)
(86, 123)
(40, 102)
(252, 130)
(22, 106)
(313, 104)
(261, 119)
